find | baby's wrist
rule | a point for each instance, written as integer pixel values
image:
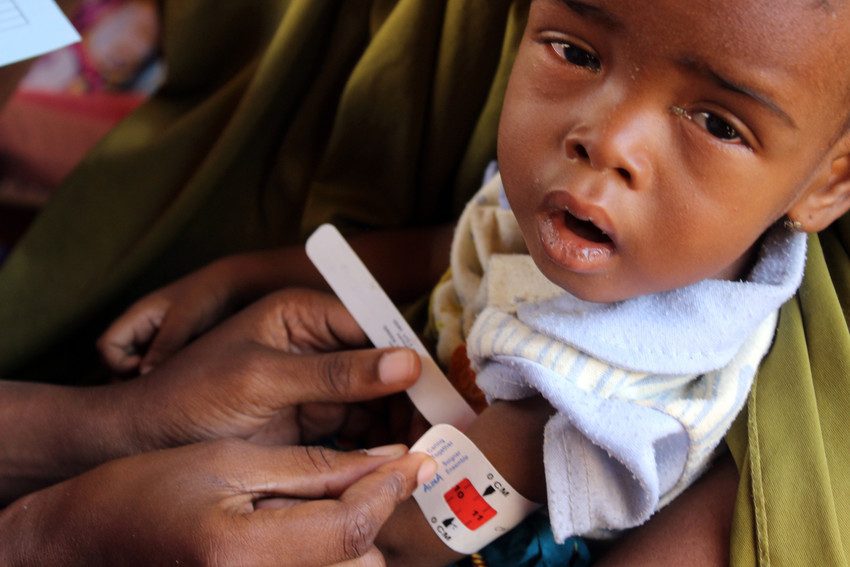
(407, 540)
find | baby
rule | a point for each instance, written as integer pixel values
(661, 163)
(661, 166)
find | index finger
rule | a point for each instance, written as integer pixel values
(333, 531)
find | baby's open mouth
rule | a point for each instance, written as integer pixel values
(585, 229)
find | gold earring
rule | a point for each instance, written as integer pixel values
(793, 225)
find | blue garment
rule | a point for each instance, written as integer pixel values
(532, 544)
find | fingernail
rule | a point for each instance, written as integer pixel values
(387, 451)
(396, 366)
(426, 471)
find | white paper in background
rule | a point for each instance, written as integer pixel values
(32, 27)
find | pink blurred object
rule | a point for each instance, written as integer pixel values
(72, 97)
(118, 51)
(44, 135)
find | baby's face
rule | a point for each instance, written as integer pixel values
(647, 145)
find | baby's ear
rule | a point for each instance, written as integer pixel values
(824, 202)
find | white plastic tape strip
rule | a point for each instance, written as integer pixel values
(467, 503)
(433, 394)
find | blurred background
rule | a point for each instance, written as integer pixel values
(69, 99)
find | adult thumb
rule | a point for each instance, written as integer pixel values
(347, 376)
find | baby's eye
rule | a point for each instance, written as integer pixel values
(716, 126)
(577, 56)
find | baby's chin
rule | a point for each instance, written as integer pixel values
(601, 296)
(608, 287)
(595, 286)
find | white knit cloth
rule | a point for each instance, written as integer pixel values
(644, 389)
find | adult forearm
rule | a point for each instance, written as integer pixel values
(52, 432)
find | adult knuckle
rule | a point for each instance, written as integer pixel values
(338, 373)
(280, 302)
(395, 486)
(358, 531)
(319, 459)
(253, 360)
(250, 368)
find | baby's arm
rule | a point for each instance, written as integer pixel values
(407, 263)
(693, 530)
(510, 434)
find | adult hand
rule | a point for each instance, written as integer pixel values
(271, 374)
(161, 323)
(263, 375)
(216, 503)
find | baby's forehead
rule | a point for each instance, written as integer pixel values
(799, 44)
(831, 23)
(791, 50)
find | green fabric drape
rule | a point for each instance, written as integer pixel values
(791, 444)
(277, 115)
(281, 114)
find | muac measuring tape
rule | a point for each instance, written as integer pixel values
(468, 503)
